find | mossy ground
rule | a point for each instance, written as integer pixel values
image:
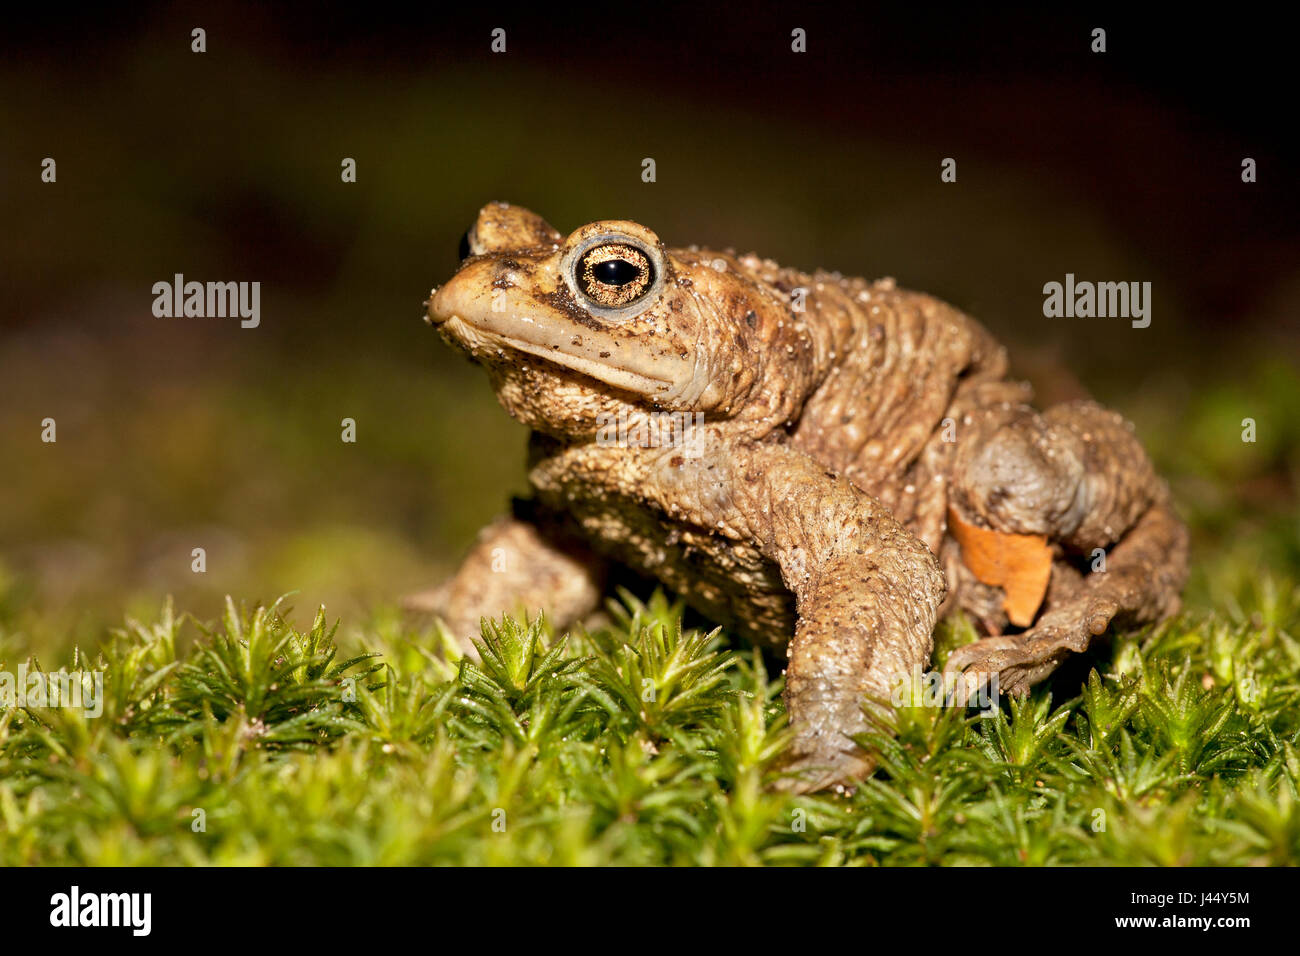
(258, 744)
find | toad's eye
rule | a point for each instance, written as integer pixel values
(614, 275)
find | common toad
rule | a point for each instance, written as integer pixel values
(819, 463)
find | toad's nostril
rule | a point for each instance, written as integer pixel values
(464, 246)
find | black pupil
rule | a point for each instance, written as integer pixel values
(615, 272)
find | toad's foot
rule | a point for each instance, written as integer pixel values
(1022, 660)
(807, 772)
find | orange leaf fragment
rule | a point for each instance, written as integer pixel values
(1020, 564)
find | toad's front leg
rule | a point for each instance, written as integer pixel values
(865, 627)
(523, 563)
(866, 591)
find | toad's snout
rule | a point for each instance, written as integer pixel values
(444, 302)
(435, 312)
(466, 295)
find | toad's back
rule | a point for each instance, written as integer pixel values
(900, 365)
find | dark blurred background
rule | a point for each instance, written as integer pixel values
(183, 433)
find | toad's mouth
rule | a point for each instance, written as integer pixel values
(495, 345)
(615, 360)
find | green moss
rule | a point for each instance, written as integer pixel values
(252, 742)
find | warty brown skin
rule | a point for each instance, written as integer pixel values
(808, 506)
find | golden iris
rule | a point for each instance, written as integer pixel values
(615, 275)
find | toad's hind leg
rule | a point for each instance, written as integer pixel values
(1143, 576)
(1077, 475)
